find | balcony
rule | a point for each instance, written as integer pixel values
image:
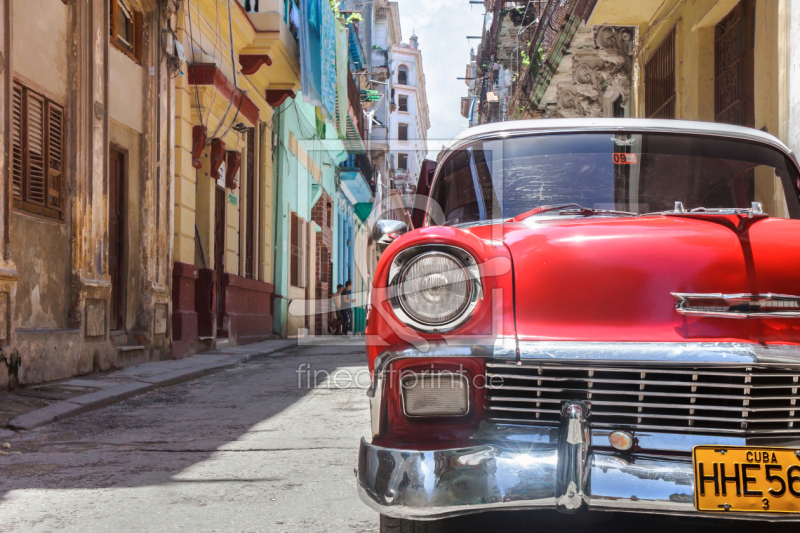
(354, 134)
(354, 98)
(271, 59)
(356, 178)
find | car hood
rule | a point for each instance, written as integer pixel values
(611, 279)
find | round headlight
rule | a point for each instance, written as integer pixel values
(434, 288)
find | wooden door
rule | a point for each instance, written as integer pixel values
(219, 250)
(116, 187)
(734, 64)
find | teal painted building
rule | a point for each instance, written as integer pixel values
(307, 154)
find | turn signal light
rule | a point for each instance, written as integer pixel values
(621, 440)
(435, 394)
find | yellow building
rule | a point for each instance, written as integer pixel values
(711, 60)
(239, 65)
(87, 195)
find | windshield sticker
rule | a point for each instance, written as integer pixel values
(624, 159)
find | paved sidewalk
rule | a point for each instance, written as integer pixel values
(42, 404)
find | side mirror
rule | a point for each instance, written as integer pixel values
(386, 231)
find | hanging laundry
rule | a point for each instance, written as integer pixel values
(310, 56)
(328, 24)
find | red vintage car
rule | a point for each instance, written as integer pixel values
(598, 314)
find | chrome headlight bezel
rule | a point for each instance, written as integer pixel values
(406, 257)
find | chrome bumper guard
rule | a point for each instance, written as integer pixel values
(528, 473)
(556, 468)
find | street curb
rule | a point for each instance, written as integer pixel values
(103, 398)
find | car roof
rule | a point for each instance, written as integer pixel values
(518, 127)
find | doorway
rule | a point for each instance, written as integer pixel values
(219, 253)
(116, 240)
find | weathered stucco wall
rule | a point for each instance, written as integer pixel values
(125, 90)
(43, 295)
(40, 38)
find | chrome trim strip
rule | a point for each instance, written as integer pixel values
(581, 353)
(671, 353)
(684, 301)
(427, 485)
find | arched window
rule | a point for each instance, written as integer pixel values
(402, 75)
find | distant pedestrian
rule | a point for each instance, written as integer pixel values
(335, 321)
(347, 312)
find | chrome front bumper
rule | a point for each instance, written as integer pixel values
(527, 472)
(516, 467)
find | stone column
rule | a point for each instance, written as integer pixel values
(87, 177)
(157, 196)
(9, 360)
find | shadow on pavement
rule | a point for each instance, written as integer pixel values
(170, 435)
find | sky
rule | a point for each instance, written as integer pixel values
(442, 27)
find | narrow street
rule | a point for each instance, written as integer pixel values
(241, 450)
(245, 449)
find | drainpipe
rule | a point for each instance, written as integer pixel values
(277, 208)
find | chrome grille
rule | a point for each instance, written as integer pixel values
(718, 400)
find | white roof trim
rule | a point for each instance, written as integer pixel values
(517, 127)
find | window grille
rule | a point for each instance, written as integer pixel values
(659, 80)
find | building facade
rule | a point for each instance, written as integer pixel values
(87, 205)
(409, 121)
(308, 152)
(714, 60)
(242, 62)
(172, 189)
(545, 60)
(730, 61)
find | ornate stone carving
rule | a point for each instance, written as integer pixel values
(599, 76)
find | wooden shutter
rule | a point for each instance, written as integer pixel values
(17, 161)
(55, 156)
(36, 149)
(37, 154)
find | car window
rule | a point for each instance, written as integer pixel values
(634, 172)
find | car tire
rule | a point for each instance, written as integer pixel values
(399, 525)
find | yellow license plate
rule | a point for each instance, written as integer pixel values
(742, 479)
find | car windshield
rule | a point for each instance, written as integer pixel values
(634, 172)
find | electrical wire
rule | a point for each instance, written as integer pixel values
(236, 89)
(196, 89)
